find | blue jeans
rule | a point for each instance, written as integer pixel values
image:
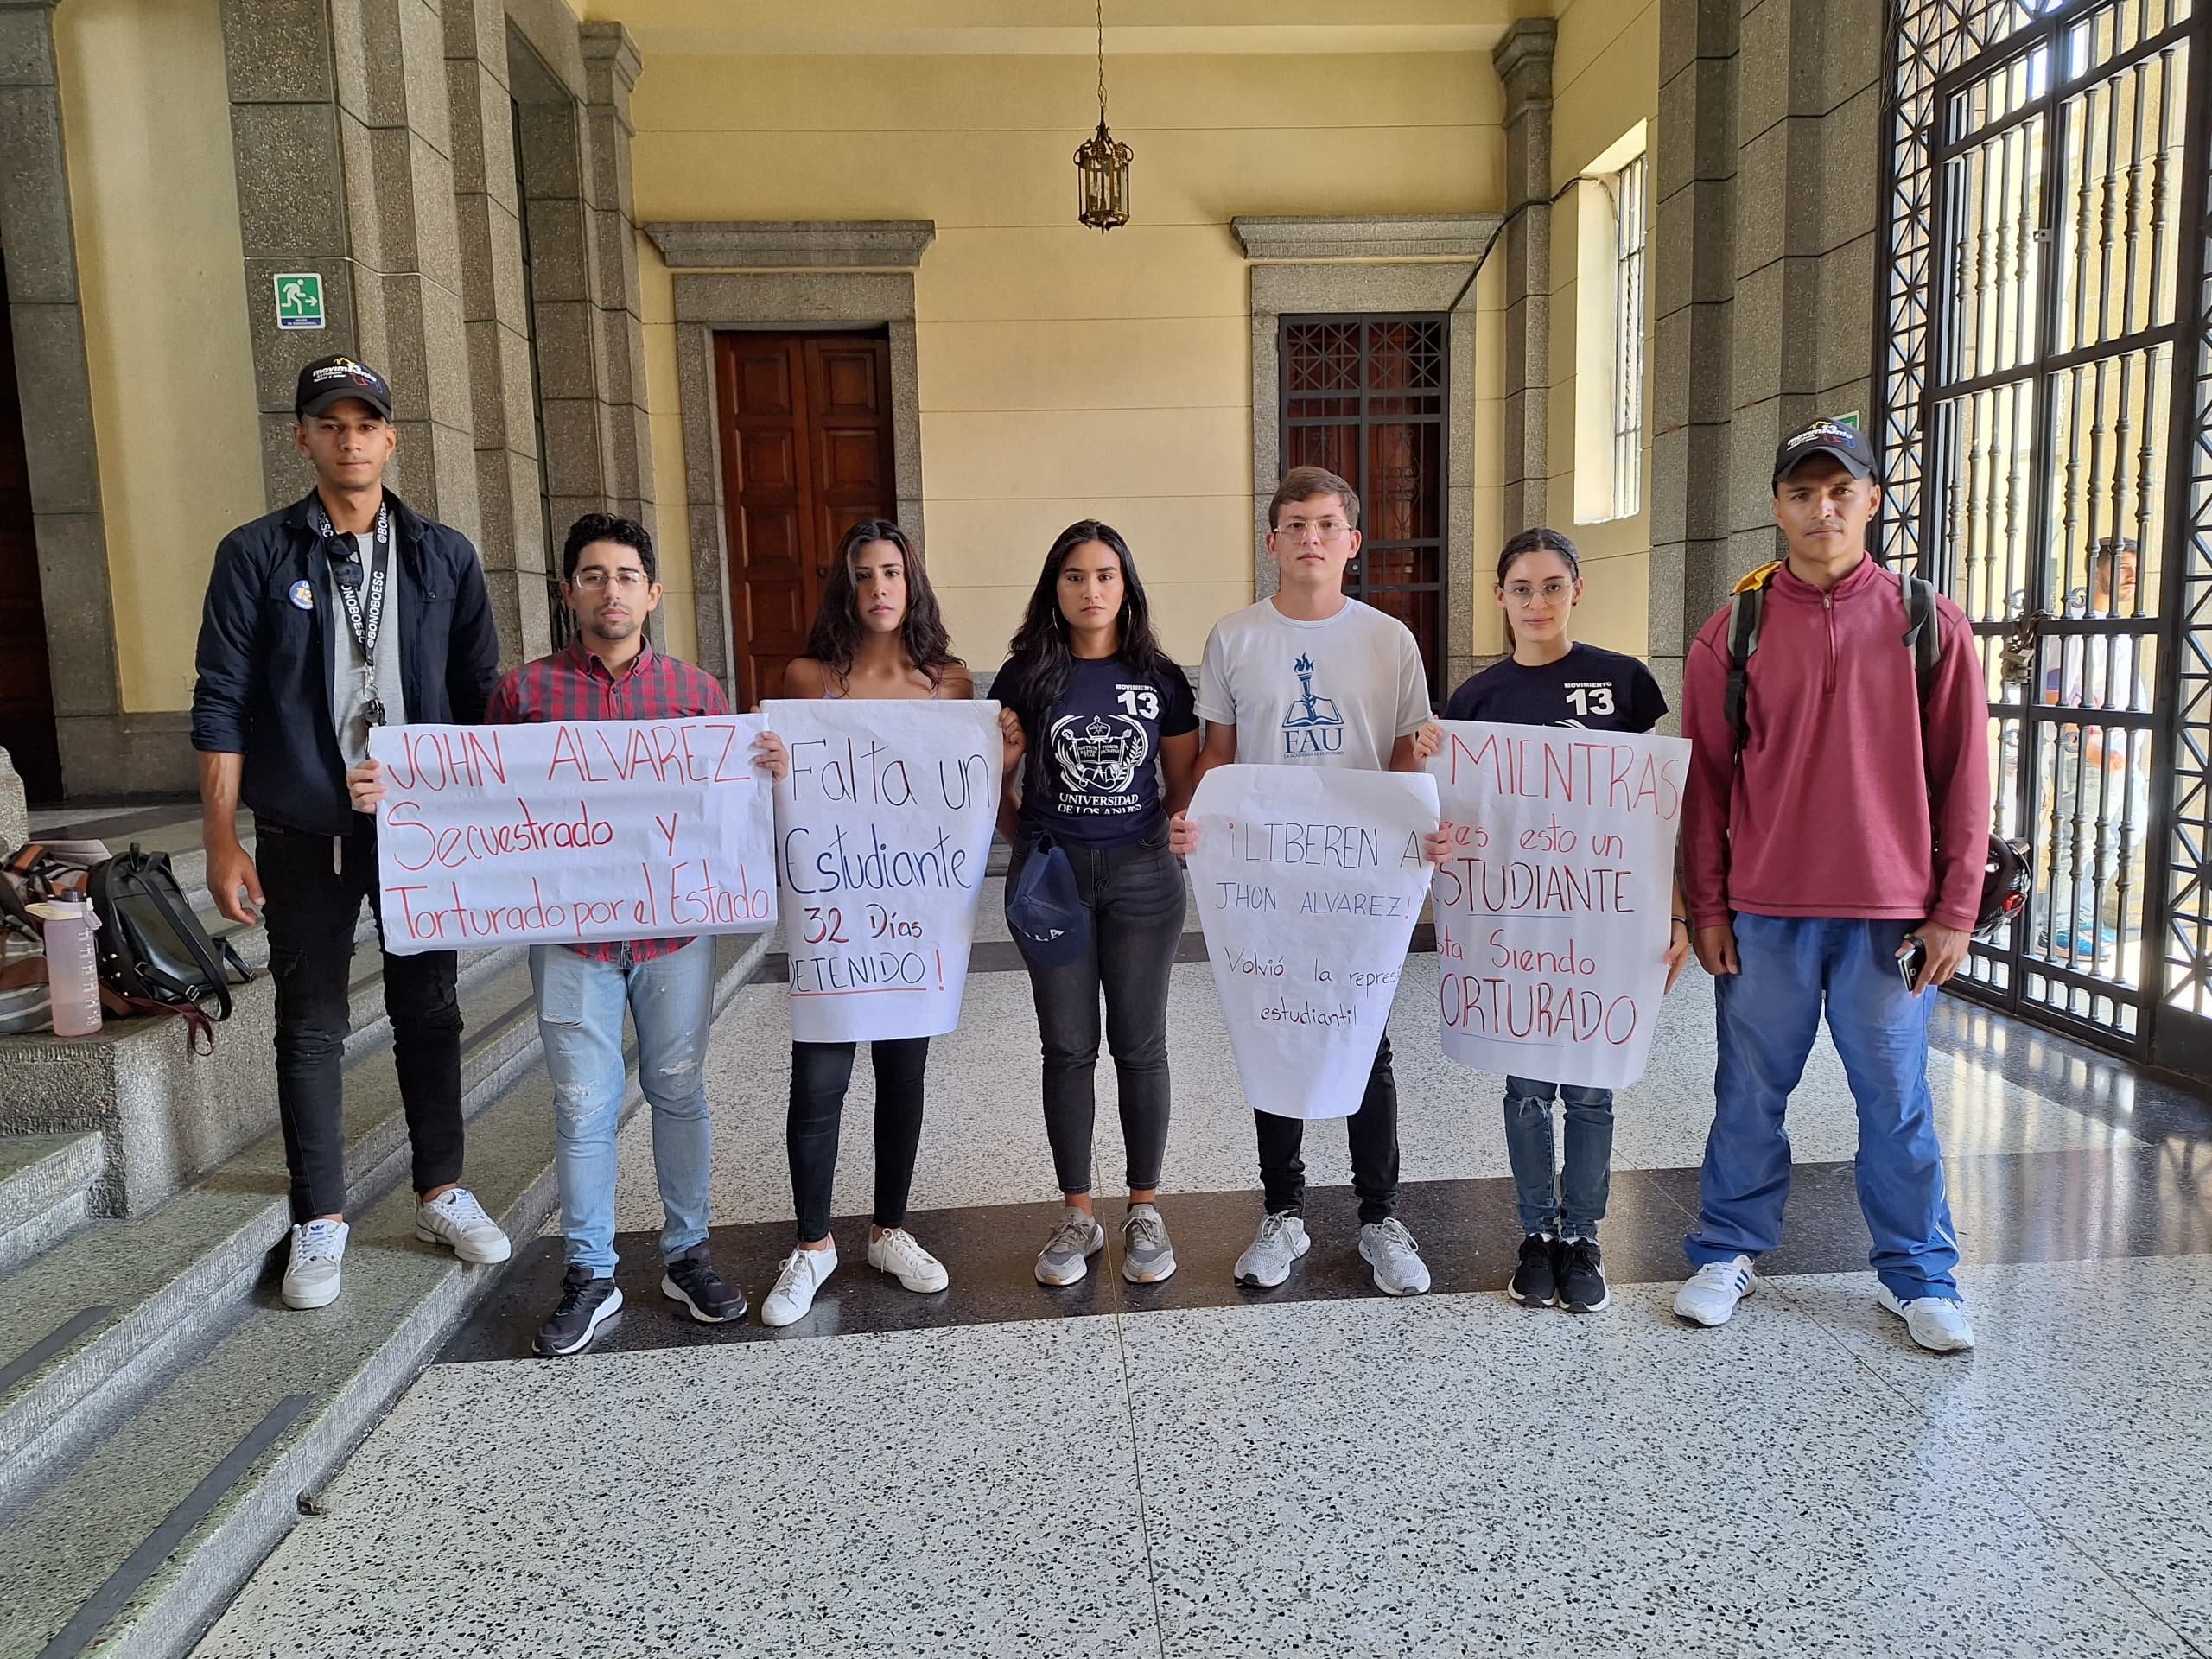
(580, 1004)
(1769, 1015)
(1570, 1204)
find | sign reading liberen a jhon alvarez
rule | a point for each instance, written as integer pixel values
(1308, 882)
(1553, 913)
(564, 832)
(883, 832)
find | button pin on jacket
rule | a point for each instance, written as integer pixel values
(302, 596)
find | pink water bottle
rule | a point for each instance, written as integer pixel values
(71, 971)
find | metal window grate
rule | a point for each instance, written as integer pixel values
(1630, 225)
(2044, 371)
(1368, 397)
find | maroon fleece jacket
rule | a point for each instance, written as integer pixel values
(1837, 807)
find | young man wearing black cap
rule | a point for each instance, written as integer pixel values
(1841, 851)
(344, 611)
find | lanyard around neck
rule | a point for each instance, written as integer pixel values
(364, 622)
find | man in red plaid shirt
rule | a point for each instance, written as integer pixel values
(610, 672)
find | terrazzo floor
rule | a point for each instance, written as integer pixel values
(1191, 1470)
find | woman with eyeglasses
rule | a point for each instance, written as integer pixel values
(880, 636)
(1552, 679)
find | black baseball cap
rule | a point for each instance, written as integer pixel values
(329, 381)
(1825, 437)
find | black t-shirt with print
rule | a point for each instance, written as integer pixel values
(1601, 690)
(1096, 781)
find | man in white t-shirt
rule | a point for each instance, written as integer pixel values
(1311, 678)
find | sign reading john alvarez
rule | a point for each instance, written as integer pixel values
(883, 832)
(1308, 882)
(1552, 916)
(572, 830)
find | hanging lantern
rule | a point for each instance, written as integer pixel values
(1102, 161)
(1102, 165)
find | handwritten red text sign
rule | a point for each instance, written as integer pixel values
(1552, 916)
(882, 833)
(560, 833)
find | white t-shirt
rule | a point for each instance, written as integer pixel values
(1338, 693)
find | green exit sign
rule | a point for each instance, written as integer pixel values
(299, 299)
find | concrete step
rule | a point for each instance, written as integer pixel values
(46, 1184)
(175, 1495)
(119, 1300)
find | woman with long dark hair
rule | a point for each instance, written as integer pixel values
(1110, 738)
(1553, 679)
(879, 635)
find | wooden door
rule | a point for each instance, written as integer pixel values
(26, 688)
(806, 455)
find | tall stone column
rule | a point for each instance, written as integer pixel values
(495, 309)
(342, 136)
(1693, 289)
(1523, 61)
(611, 65)
(54, 384)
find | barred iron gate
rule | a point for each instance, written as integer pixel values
(2044, 374)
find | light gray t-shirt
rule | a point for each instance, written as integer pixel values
(1338, 693)
(350, 680)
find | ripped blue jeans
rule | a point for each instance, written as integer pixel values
(580, 1004)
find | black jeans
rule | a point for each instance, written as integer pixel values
(1373, 1133)
(819, 1074)
(1134, 894)
(311, 908)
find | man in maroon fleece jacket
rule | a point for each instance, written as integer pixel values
(1847, 841)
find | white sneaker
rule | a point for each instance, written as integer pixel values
(798, 1276)
(897, 1254)
(454, 1219)
(1266, 1261)
(1936, 1323)
(318, 1258)
(1714, 1290)
(1388, 1248)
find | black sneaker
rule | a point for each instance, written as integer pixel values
(692, 1281)
(1537, 1279)
(589, 1306)
(1582, 1288)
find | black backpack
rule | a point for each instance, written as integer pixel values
(2006, 878)
(154, 955)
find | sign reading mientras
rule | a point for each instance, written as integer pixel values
(568, 831)
(1552, 916)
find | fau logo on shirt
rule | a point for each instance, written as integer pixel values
(1313, 725)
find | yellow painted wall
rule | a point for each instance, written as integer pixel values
(1604, 79)
(154, 204)
(1063, 374)
(671, 525)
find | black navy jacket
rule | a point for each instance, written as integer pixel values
(265, 661)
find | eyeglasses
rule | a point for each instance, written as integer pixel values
(1322, 529)
(1551, 593)
(592, 581)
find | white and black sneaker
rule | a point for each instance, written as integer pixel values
(589, 1306)
(1582, 1286)
(1535, 1277)
(692, 1279)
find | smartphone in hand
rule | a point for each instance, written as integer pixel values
(1910, 964)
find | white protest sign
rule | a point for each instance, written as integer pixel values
(1308, 879)
(1552, 916)
(883, 832)
(572, 830)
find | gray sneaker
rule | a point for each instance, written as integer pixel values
(1146, 1256)
(1388, 1248)
(1266, 1261)
(1062, 1260)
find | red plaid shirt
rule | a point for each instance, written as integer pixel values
(573, 684)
